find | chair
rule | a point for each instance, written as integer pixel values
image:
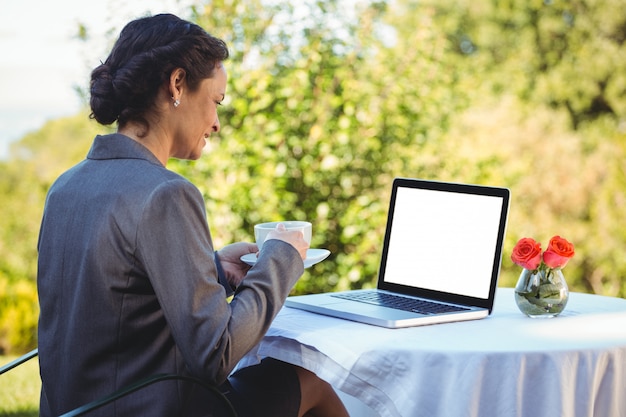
(122, 392)
(24, 358)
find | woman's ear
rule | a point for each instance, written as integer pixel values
(177, 85)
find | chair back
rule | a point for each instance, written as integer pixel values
(122, 392)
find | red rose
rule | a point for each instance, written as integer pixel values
(558, 253)
(527, 253)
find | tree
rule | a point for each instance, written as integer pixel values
(319, 123)
(565, 54)
(547, 120)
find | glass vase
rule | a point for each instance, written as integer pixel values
(541, 294)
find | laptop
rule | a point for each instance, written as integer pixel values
(440, 260)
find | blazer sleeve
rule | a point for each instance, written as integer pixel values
(174, 245)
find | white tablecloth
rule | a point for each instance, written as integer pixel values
(504, 365)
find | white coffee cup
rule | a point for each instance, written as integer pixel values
(262, 229)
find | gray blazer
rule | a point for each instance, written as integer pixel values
(128, 286)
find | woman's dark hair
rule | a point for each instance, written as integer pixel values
(125, 86)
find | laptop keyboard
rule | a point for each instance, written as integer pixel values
(400, 303)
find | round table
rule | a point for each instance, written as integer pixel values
(504, 365)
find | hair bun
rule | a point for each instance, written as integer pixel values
(105, 107)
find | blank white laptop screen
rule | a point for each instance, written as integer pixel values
(443, 241)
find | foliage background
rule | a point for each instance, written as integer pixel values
(328, 101)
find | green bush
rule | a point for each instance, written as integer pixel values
(19, 312)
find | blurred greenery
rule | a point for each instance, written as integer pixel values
(19, 389)
(327, 104)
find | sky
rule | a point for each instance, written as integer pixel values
(42, 61)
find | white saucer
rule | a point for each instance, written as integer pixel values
(313, 256)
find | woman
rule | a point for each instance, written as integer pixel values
(129, 283)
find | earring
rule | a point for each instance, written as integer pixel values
(176, 102)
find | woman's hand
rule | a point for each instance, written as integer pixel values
(230, 256)
(234, 268)
(293, 237)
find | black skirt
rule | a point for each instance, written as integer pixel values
(269, 389)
